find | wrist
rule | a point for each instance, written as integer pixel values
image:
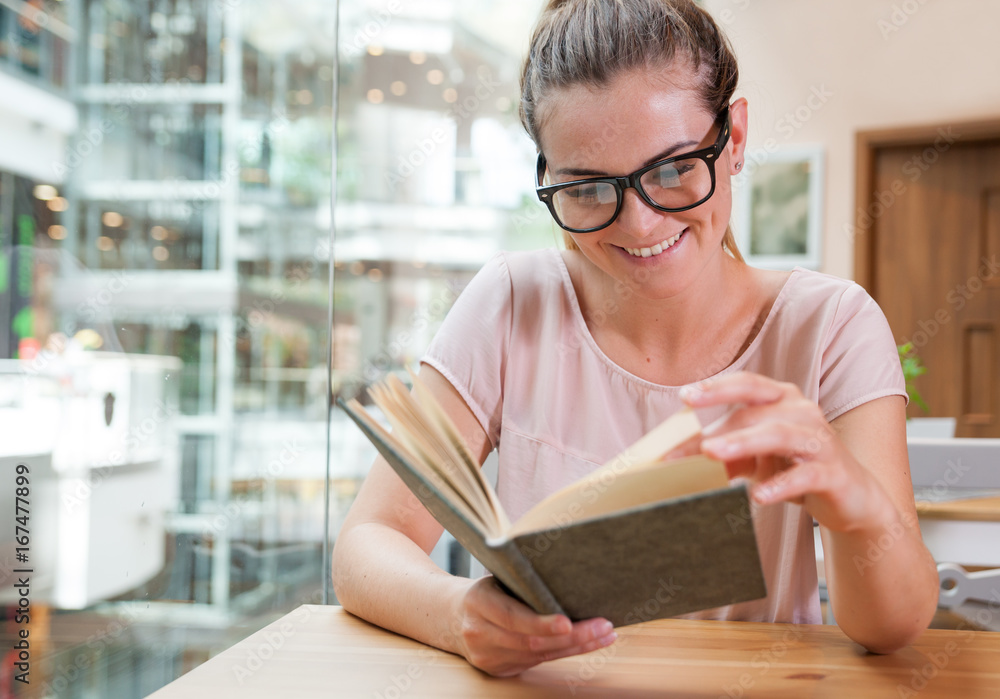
(452, 636)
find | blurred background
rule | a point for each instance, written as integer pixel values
(212, 211)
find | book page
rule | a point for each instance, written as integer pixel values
(665, 437)
(441, 486)
(418, 427)
(436, 414)
(609, 485)
(604, 492)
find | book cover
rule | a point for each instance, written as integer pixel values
(627, 564)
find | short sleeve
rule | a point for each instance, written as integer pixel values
(470, 348)
(860, 362)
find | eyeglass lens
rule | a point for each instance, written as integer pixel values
(675, 185)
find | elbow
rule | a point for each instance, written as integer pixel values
(888, 635)
(340, 573)
(888, 641)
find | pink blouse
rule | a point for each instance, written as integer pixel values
(517, 348)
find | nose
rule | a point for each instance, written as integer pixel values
(636, 216)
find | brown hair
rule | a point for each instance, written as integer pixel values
(592, 42)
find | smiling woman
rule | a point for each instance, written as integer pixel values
(560, 359)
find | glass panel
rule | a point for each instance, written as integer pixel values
(164, 295)
(164, 311)
(435, 174)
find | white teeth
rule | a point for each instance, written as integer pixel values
(655, 250)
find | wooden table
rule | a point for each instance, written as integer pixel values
(971, 510)
(318, 651)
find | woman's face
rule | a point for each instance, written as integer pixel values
(616, 130)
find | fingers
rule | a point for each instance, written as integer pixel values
(583, 633)
(687, 448)
(504, 637)
(585, 647)
(505, 612)
(501, 652)
(779, 438)
(740, 387)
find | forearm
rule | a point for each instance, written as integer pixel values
(380, 575)
(883, 583)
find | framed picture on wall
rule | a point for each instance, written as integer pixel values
(778, 208)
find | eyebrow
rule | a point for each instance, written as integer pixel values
(586, 172)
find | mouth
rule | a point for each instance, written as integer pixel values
(657, 249)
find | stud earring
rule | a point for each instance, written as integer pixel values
(739, 166)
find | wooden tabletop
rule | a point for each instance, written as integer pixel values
(972, 510)
(318, 651)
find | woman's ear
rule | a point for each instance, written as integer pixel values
(738, 135)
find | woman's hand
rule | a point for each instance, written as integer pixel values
(501, 636)
(781, 441)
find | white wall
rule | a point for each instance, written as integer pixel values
(882, 64)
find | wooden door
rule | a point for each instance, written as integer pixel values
(928, 250)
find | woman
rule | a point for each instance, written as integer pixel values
(564, 358)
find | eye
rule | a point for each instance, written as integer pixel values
(671, 175)
(595, 194)
(667, 177)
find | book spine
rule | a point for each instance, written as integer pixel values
(501, 557)
(513, 570)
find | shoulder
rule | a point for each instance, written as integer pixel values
(526, 275)
(816, 294)
(511, 285)
(510, 267)
(822, 284)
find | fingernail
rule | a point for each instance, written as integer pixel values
(605, 628)
(690, 393)
(609, 639)
(719, 445)
(763, 493)
(562, 625)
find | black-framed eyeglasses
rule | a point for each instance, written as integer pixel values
(678, 183)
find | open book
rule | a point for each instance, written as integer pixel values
(640, 538)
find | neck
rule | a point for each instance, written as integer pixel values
(701, 324)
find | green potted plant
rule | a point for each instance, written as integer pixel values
(912, 368)
(921, 427)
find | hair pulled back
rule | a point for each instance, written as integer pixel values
(592, 42)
